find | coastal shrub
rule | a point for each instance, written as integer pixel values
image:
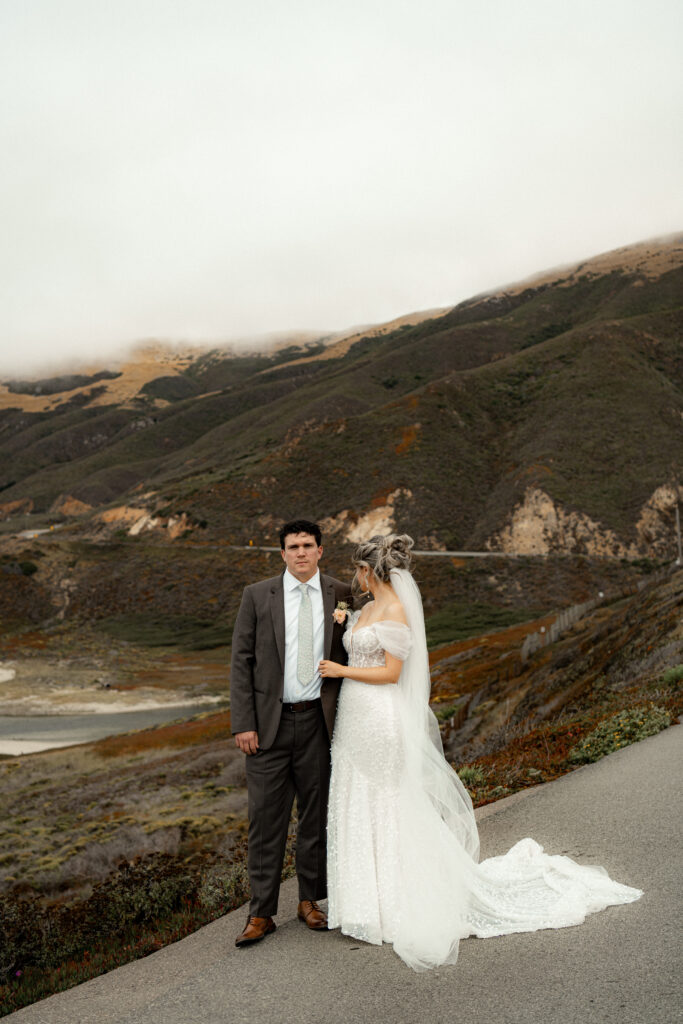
(142, 891)
(673, 675)
(442, 714)
(28, 568)
(471, 775)
(226, 887)
(31, 933)
(18, 930)
(145, 904)
(619, 731)
(154, 630)
(643, 565)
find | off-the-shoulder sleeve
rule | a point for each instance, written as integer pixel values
(352, 619)
(395, 638)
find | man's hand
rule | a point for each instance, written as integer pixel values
(331, 670)
(247, 742)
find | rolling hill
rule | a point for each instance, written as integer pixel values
(542, 418)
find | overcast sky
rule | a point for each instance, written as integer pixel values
(209, 169)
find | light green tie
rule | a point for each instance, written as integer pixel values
(304, 663)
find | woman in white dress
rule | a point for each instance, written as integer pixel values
(402, 840)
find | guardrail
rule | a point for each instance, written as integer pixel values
(569, 616)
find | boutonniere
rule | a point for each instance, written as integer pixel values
(340, 612)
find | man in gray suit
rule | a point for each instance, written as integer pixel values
(282, 716)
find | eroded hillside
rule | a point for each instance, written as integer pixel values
(544, 417)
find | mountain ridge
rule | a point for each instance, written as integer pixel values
(650, 259)
(559, 403)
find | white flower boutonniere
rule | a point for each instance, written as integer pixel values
(340, 612)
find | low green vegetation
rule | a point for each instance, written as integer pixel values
(471, 776)
(462, 619)
(673, 675)
(620, 730)
(144, 906)
(184, 631)
(443, 713)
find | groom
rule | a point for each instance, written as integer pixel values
(282, 716)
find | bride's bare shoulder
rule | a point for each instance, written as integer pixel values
(395, 613)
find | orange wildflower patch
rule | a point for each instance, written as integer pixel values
(36, 641)
(177, 734)
(381, 497)
(408, 438)
(535, 468)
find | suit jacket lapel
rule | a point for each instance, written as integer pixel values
(328, 609)
(277, 611)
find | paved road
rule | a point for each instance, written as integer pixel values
(620, 967)
(429, 554)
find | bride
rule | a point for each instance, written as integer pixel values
(402, 841)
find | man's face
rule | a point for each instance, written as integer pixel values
(301, 555)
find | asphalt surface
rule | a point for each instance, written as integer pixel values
(622, 966)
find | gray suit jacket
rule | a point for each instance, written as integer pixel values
(258, 656)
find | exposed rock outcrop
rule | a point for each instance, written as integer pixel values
(655, 525)
(20, 507)
(539, 525)
(67, 505)
(378, 519)
(140, 519)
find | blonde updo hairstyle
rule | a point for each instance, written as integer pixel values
(382, 554)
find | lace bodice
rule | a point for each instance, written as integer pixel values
(366, 646)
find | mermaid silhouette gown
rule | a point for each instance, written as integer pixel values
(398, 872)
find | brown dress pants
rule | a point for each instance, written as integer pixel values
(297, 764)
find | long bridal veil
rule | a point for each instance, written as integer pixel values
(445, 895)
(423, 751)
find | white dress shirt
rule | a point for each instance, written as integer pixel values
(294, 691)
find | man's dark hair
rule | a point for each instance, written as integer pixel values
(300, 526)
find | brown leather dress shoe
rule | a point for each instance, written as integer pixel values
(256, 929)
(310, 912)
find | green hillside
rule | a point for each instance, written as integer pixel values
(573, 386)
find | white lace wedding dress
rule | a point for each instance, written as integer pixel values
(402, 841)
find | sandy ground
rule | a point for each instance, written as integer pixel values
(15, 748)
